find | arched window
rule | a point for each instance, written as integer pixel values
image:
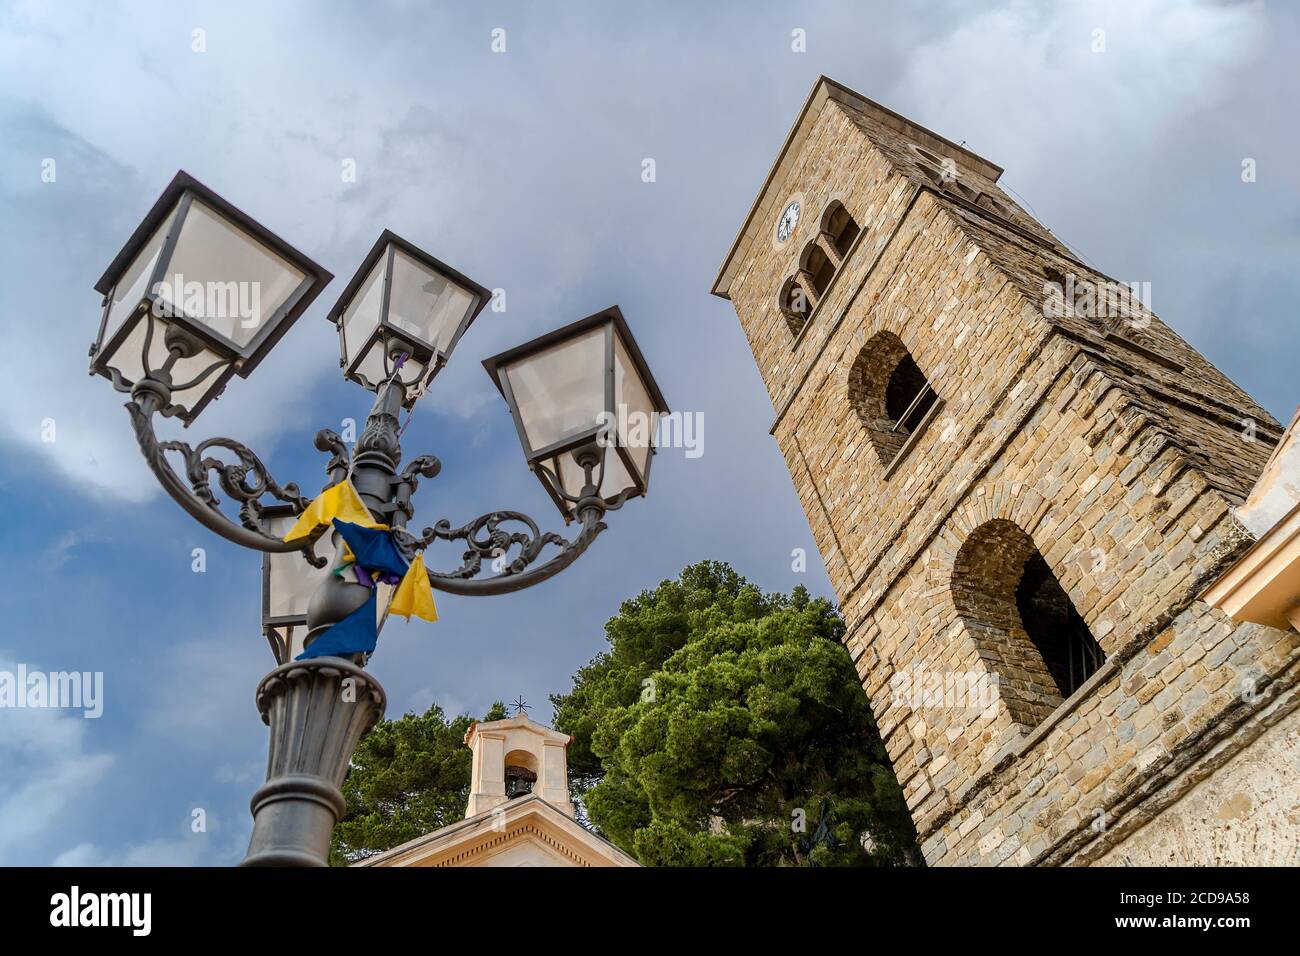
(1023, 622)
(938, 170)
(966, 192)
(520, 773)
(817, 268)
(932, 158)
(908, 396)
(839, 228)
(994, 205)
(890, 394)
(795, 305)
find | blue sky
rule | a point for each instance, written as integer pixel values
(523, 170)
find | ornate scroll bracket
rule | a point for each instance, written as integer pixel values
(510, 542)
(487, 541)
(405, 485)
(337, 467)
(245, 480)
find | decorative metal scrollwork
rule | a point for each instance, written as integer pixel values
(246, 480)
(509, 541)
(486, 540)
(337, 467)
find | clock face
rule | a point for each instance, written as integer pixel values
(789, 219)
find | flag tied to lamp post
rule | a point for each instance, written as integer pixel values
(369, 557)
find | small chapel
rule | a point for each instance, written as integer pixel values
(519, 811)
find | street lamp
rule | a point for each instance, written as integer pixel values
(402, 301)
(200, 292)
(170, 337)
(586, 408)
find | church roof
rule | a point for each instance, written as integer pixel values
(518, 722)
(1263, 584)
(527, 831)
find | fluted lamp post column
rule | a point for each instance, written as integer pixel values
(200, 294)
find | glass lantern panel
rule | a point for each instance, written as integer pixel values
(297, 634)
(127, 360)
(412, 372)
(362, 314)
(638, 420)
(425, 305)
(291, 580)
(382, 600)
(222, 277)
(376, 371)
(616, 478)
(560, 391)
(371, 367)
(132, 286)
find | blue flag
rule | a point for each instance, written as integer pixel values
(373, 549)
(356, 633)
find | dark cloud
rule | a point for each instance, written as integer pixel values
(523, 170)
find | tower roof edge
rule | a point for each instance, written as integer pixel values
(822, 90)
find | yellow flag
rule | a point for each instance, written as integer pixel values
(414, 595)
(340, 501)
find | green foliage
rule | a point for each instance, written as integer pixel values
(718, 722)
(408, 777)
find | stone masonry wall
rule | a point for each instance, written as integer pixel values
(1232, 816)
(1121, 469)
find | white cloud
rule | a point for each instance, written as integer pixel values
(1082, 133)
(1025, 74)
(286, 175)
(204, 691)
(61, 550)
(199, 849)
(49, 768)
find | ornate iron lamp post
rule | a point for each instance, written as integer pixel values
(172, 340)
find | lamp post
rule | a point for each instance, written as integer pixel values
(199, 294)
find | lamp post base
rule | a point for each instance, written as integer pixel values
(317, 711)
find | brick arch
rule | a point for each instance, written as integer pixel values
(1013, 501)
(1022, 621)
(875, 394)
(816, 268)
(795, 304)
(839, 228)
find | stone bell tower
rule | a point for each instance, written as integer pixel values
(1020, 481)
(519, 811)
(515, 757)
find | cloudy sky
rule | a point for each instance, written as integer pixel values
(521, 168)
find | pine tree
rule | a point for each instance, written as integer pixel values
(725, 726)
